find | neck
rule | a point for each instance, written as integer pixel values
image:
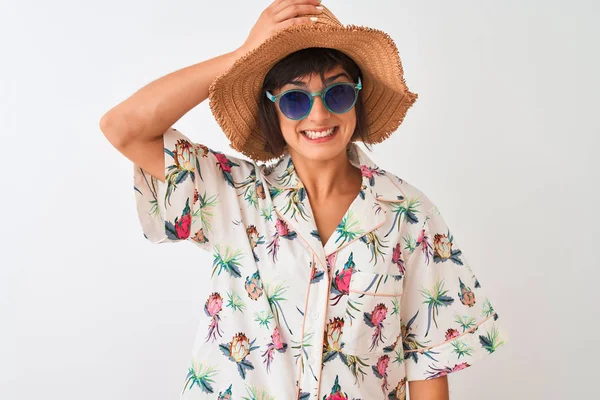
(325, 178)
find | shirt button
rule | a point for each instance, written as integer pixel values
(315, 315)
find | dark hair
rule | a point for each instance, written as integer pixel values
(298, 64)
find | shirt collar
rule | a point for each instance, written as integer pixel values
(363, 216)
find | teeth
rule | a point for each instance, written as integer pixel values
(317, 135)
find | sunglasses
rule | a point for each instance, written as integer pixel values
(338, 98)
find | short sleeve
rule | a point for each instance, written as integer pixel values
(198, 199)
(448, 320)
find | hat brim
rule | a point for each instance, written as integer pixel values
(234, 95)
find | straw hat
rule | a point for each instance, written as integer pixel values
(234, 95)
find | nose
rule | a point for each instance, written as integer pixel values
(318, 111)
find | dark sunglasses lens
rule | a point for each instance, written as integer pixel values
(294, 105)
(340, 98)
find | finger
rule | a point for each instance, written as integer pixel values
(295, 11)
(294, 21)
(278, 6)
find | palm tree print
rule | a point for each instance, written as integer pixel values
(487, 308)
(409, 208)
(275, 300)
(226, 395)
(461, 348)
(434, 299)
(375, 245)
(252, 189)
(227, 262)
(267, 213)
(235, 302)
(466, 322)
(200, 376)
(206, 209)
(410, 345)
(356, 365)
(263, 318)
(491, 341)
(301, 353)
(348, 229)
(285, 178)
(295, 202)
(257, 394)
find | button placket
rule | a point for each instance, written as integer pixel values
(318, 299)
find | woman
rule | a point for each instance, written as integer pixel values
(332, 278)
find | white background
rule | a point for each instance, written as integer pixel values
(502, 138)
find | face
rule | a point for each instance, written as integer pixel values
(310, 138)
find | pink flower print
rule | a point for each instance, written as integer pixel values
(183, 225)
(214, 304)
(379, 314)
(423, 241)
(460, 366)
(341, 284)
(382, 364)
(275, 345)
(439, 372)
(375, 320)
(380, 371)
(336, 392)
(366, 171)
(370, 173)
(343, 281)
(331, 260)
(281, 228)
(223, 162)
(276, 337)
(281, 231)
(212, 307)
(452, 333)
(397, 258)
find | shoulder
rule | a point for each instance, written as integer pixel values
(408, 193)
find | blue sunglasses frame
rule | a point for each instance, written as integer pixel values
(357, 87)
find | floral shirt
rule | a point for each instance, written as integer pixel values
(388, 299)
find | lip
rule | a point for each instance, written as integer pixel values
(323, 139)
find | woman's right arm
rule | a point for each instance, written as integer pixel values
(136, 126)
